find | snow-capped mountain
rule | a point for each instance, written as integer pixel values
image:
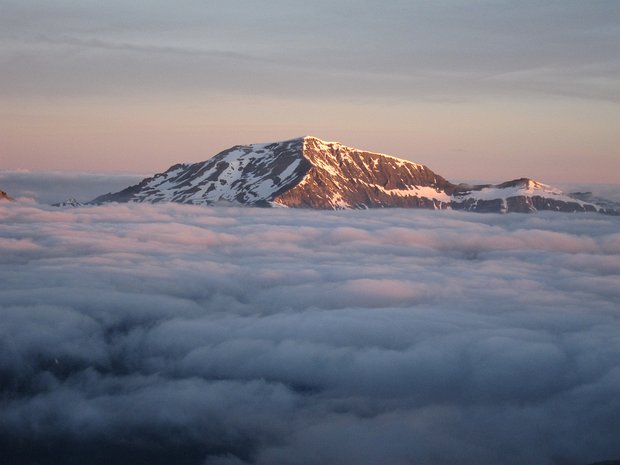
(310, 173)
(249, 175)
(70, 202)
(520, 195)
(303, 172)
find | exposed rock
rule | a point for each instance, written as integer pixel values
(344, 177)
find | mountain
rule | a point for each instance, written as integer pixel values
(310, 173)
(590, 198)
(520, 195)
(70, 202)
(4, 196)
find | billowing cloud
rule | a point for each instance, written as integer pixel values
(192, 335)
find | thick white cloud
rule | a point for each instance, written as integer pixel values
(180, 334)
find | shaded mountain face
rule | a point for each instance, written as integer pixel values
(310, 173)
(4, 196)
(245, 174)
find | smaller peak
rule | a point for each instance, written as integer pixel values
(530, 184)
(70, 202)
(520, 182)
(533, 184)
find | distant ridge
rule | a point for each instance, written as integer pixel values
(70, 202)
(308, 172)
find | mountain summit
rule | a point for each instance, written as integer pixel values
(310, 173)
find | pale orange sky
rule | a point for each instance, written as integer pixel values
(475, 90)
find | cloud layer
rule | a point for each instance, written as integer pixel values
(179, 334)
(447, 49)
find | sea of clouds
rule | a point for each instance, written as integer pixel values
(172, 334)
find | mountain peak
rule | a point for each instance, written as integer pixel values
(312, 140)
(70, 202)
(529, 184)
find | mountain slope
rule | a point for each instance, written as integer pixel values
(310, 173)
(244, 174)
(345, 177)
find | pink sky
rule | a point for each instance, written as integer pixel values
(475, 90)
(572, 141)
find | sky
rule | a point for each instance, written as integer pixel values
(484, 90)
(166, 333)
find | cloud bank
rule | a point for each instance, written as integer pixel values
(177, 334)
